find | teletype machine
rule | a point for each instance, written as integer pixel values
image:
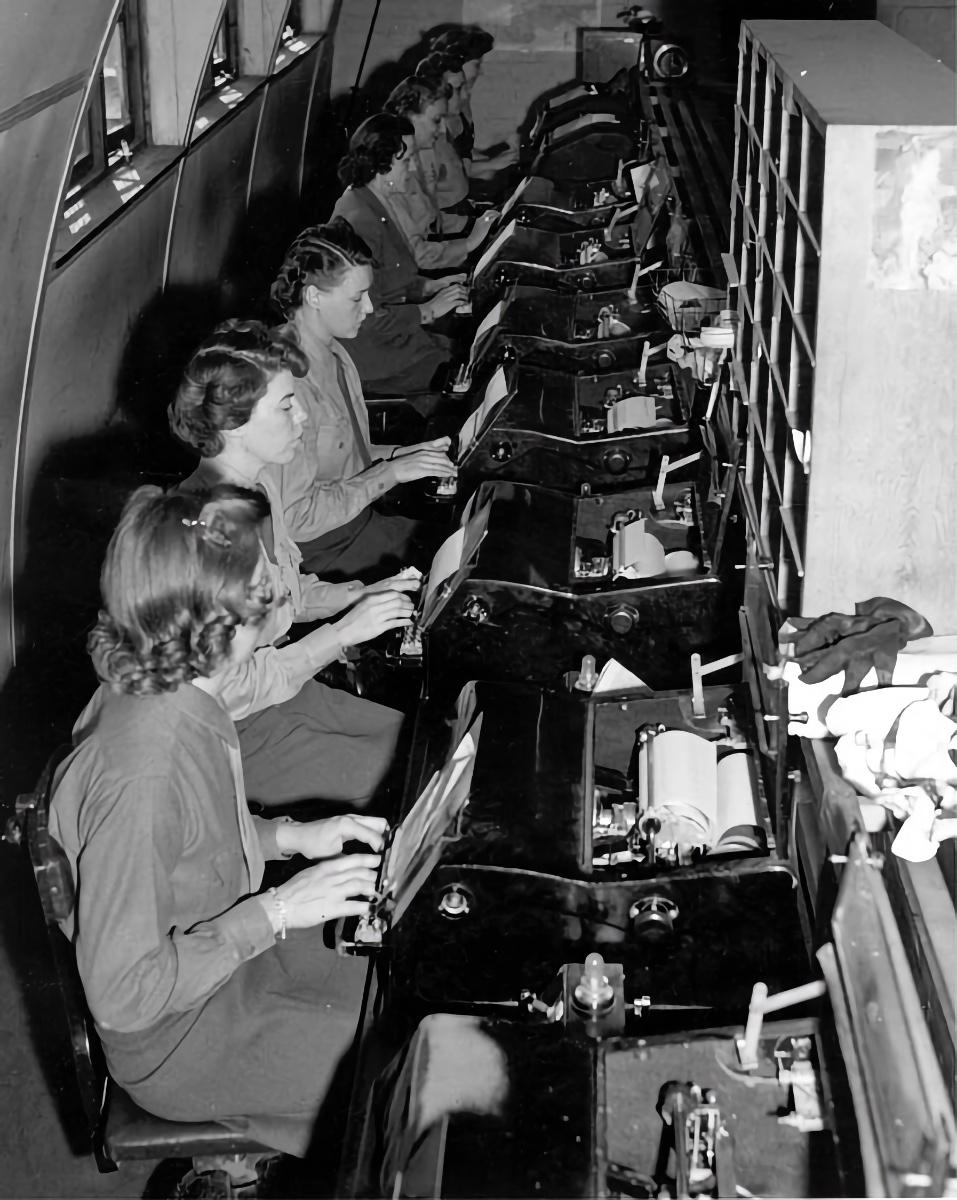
(619, 98)
(588, 146)
(580, 334)
(582, 260)
(565, 431)
(533, 579)
(545, 205)
(620, 821)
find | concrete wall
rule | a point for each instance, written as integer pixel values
(930, 24)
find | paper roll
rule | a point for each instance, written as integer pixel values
(736, 791)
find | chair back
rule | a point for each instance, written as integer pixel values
(55, 885)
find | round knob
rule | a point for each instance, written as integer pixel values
(623, 619)
(653, 917)
(475, 610)
(454, 903)
(500, 451)
(587, 282)
(594, 994)
(616, 461)
(604, 360)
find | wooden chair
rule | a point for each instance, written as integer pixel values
(118, 1129)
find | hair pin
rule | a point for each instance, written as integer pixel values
(190, 524)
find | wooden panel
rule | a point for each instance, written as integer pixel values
(859, 73)
(882, 504)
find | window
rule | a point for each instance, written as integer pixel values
(293, 26)
(223, 64)
(113, 125)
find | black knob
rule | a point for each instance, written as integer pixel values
(604, 360)
(623, 619)
(653, 918)
(475, 610)
(500, 451)
(616, 461)
(587, 282)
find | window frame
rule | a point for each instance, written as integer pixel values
(106, 149)
(229, 26)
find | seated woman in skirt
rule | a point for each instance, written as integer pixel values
(394, 350)
(330, 486)
(299, 738)
(213, 1000)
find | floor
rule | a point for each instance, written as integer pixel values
(41, 1150)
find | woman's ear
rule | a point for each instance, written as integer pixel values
(311, 295)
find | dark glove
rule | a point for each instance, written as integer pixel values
(913, 624)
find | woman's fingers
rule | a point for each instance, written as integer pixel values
(371, 832)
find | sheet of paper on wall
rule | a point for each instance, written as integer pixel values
(582, 122)
(490, 253)
(616, 678)
(511, 201)
(641, 178)
(496, 391)
(417, 842)
(491, 319)
(634, 412)
(637, 554)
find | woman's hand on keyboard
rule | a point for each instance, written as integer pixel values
(373, 616)
(396, 583)
(428, 460)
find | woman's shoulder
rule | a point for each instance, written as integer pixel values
(145, 733)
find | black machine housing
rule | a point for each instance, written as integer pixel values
(551, 428)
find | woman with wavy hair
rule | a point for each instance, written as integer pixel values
(394, 349)
(299, 739)
(330, 486)
(418, 207)
(214, 1000)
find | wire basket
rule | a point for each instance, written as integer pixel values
(687, 304)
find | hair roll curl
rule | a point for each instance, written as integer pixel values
(321, 256)
(373, 148)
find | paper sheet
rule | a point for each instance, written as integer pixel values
(640, 177)
(634, 412)
(582, 122)
(416, 843)
(637, 554)
(496, 391)
(583, 89)
(490, 253)
(616, 678)
(452, 554)
(489, 323)
(510, 202)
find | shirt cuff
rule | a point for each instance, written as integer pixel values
(247, 928)
(266, 829)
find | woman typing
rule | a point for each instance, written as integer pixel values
(416, 205)
(394, 349)
(299, 739)
(214, 1001)
(330, 485)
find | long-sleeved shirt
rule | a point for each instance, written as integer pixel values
(327, 483)
(391, 350)
(151, 812)
(417, 214)
(451, 177)
(274, 674)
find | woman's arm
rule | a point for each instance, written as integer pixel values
(136, 966)
(274, 675)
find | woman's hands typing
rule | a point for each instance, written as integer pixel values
(338, 887)
(433, 286)
(325, 839)
(425, 460)
(374, 615)
(444, 300)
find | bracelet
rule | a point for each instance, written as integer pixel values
(282, 912)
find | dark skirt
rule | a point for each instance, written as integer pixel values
(323, 744)
(261, 1054)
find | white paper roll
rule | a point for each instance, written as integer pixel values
(736, 791)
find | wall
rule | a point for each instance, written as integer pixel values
(94, 344)
(930, 24)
